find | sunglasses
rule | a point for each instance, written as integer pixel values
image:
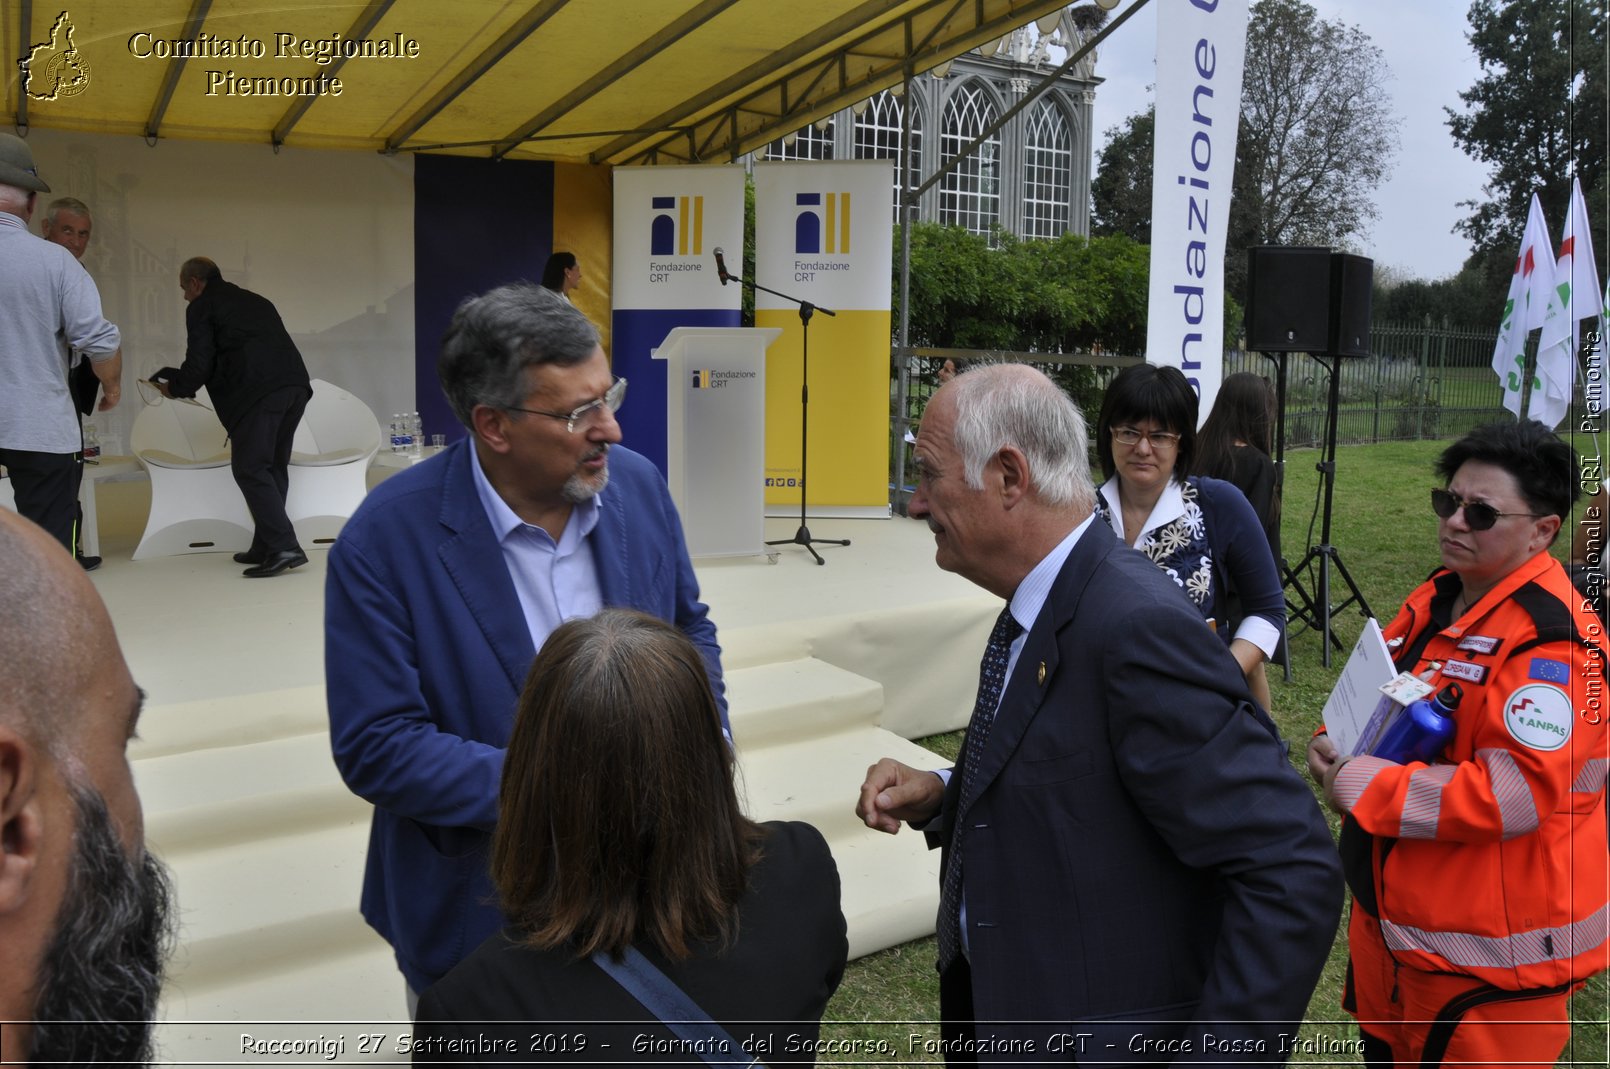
(1478, 516)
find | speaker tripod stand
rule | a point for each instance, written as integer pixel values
(1317, 611)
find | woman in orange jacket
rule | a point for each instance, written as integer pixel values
(1480, 879)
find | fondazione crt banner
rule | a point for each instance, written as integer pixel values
(822, 234)
(668, 223)
(1201, 54)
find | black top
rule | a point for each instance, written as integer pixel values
(768, 990)
(238, 349)
(1253, 473)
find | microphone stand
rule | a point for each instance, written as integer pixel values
(802, 537)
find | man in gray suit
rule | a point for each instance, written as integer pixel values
(1132, 870)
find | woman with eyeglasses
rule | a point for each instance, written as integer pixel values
(1480, 875)
(621, 844)
(1201, 531)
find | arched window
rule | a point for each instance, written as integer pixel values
(1047, 172)
(809, 143)
(877, 137)
(970, 195)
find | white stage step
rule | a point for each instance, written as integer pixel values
(796, 700)
(225, 796)
(889, 884)
(234, 720)
(267, 845)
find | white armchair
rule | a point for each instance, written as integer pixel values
(335, 442)
(195, 505)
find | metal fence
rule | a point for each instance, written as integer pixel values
(1423, 380)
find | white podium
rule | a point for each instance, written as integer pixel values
(715, 435)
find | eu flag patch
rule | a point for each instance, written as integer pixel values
(1549, 671)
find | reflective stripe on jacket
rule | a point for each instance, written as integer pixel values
(1493, 861)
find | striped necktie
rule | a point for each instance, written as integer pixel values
(991, 680)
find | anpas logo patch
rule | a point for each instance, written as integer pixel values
(1539, 716)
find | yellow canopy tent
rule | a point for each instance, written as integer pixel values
(580, 81)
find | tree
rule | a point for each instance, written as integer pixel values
(1319, 125)
(1121, 192)
(1537, 117)
(1316, 138)
(1460, 300)
(1065, 294)
(1121, 196)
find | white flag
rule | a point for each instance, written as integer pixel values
(1574, 297)
(1594, 390)
(1525, 307)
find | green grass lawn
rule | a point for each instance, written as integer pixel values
(1385, 534)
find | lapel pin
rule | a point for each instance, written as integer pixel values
(1042, 674)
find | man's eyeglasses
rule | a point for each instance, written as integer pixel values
(611, 402)
(1158, 439)
(1478, 516)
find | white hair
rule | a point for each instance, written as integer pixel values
(14, 199)
(1007, 404)
(71, 205)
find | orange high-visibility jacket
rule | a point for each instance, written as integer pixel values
(1493, 861)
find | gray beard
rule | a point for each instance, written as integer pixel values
(102, 972)
(578, 490)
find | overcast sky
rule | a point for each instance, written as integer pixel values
(1430, 63)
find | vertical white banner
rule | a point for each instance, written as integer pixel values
(823, 234)
(1201, 53)
(669, 221)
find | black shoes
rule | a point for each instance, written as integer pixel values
(89, 564)
(250, 556)
(275, 563)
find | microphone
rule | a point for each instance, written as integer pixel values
(721, 266)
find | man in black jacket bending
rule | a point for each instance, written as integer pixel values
(240, 351)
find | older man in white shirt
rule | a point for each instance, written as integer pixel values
(48, 306)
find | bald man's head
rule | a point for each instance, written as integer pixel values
(84, 917)
(52, 612)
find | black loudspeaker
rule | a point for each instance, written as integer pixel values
(1289, 298)
(1351, 280)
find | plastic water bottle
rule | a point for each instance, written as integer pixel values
(415, 435)
(1422, 730)
(92, 442)
(396, 433)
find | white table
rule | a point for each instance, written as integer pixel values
(387, 459)
(103, 467)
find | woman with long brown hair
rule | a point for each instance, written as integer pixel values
(620, 831)
(1236, 444)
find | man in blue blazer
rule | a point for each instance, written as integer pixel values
(452, 574)
(1133, 871)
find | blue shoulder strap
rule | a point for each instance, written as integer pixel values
(648, 985)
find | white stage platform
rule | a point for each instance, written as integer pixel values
(828, 668)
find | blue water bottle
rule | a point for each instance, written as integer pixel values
(1422, 730)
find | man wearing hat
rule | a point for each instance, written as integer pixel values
(48, 306)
